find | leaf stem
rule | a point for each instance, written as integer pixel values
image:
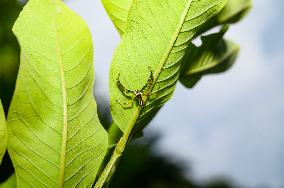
(119, 149)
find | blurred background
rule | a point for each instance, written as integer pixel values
(228, 131)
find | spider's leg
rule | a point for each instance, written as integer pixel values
(125, 91)
(140, 100)
(149, 82)
(127, 105)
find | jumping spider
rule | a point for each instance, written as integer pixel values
(136, 94)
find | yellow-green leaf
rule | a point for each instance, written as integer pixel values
(11, 182)
(146, 64)
(3, 133)
(233, 12)
(118, 12)
(156, 39)
(55, 137)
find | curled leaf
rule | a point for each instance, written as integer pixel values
(215, 55)
(234, 11)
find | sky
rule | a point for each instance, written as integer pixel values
(230, 124)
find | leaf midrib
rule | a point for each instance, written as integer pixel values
(157, 73)
(125, 138)
(64, 104)
(161, 65)
(172, 42)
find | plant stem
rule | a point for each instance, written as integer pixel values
(118, 150)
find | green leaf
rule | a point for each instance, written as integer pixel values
(234, 11)
(3, 133)
(156, 39)
(118, 12)
(114, 135)
(55, 137)
(157, 36)
(11, 182)
(215, 55)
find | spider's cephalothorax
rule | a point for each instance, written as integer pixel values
(136, 95)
